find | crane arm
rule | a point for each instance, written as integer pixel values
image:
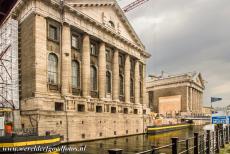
(133, 5)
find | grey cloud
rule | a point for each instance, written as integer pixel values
(185, 35)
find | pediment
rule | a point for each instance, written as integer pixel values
(108, 13)
(199, 80)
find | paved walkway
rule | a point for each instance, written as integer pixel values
(226, 150)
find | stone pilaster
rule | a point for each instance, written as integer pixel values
(127, 79)
(137, 83)
(102, 70)
(40, 54)
(115, 76)
(144, 91)
(66, 60)
(86, 66)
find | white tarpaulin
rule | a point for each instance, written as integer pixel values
(2, 123)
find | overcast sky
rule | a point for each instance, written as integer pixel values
(185, 36)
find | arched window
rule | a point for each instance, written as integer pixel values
(93, 74)
(121, 85)
(108, 82)
(131, 87)
(75, 74)
(52, 69)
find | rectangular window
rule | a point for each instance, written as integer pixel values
(81, 108)
(99, 109)
(121, 61)
(93, 49)
(125, 110)
(108, 55)
(113, 109)
(144, 111)
(135, 111)
(53, 32)
(76, 41)
(59, 106)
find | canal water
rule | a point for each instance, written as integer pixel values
(137, 143)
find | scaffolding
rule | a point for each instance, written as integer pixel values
(9, 82)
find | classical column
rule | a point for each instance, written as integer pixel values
(66, 60)
(144, 91)
(191, 101)
(127, 79)
(187, 100)
(115, 75)
(86, 66)
(137, 83)
(101, 70)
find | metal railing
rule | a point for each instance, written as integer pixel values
(206, 143)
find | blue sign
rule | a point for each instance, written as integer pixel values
(220, 120)
(228, 120)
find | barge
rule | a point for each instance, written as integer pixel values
(22, 143)
(166, 128)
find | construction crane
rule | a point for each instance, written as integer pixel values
(133, 5)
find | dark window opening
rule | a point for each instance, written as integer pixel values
(113, 109)
(100, 134)
(135, 111)
(121, 60)
(127, 131)
(108, 82)
(80, 108)
(144, 111)
(121, 85)
(126, 111)
(93, 74)
(83, 136)
(99, 109)
(115, 133)
(131, 88)
(59, 106)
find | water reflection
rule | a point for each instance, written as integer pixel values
(133, 144)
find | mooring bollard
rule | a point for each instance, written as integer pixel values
(196, 146)
(175, 145)
(187, 146)
(208, 142)
(222, 137)
(115, 151)
(154, 151)
(227, 135)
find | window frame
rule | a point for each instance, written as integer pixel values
(92, 43)
(78, 40)
(78, 72)
(92, 88)
(51, 70)
(123, 86)
(108, 73)
(55, 26)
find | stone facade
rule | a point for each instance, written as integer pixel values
(80, 113)
(189, 86)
